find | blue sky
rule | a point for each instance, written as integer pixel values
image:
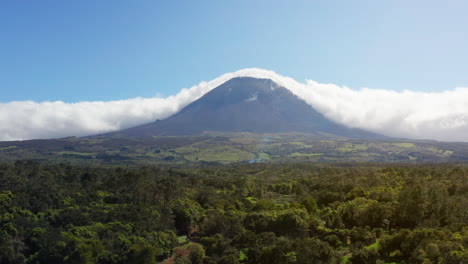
(108, 50)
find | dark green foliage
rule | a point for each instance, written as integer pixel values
(142, 254)
(258, 213)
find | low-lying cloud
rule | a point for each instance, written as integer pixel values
(418, 115)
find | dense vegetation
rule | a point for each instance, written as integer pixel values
(258, 213)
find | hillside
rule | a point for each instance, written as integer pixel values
(232, 148)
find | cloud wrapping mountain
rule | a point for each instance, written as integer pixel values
(419, 115)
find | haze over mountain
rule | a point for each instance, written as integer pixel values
(245, 104)
(408, 114)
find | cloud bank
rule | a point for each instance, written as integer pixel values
(417, 115)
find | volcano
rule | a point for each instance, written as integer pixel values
(245, 104)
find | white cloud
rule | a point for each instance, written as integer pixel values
(252, 98)
(418, 115)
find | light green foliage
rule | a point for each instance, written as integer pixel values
(309, 204)
(297, 154)
(75, 153)
(349, 147)
(404, 145)
(9, 147)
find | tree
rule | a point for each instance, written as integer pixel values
(142, 254)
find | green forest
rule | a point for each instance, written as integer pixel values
(244, 213)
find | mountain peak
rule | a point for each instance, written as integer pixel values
(245, 89)
(245, 104)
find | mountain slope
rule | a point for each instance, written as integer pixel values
(245, 104)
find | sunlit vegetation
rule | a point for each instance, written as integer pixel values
(257, 213)
(8, 147)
